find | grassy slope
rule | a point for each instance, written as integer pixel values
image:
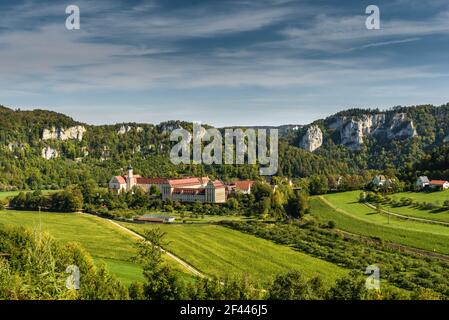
(433, 197)
(98, 236)
(419, 213)
(220, 251)
(437, 198)
(357, 218)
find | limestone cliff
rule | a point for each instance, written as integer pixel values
(49, 153)
(312, 139)
(75, 132)
(352, 131)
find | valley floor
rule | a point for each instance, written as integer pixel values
(213, 250)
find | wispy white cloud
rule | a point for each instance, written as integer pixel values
(143, 48)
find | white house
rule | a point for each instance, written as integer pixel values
(439, 184)
(422, 182)
(379, 180)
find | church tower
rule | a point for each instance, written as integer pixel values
(130, 179)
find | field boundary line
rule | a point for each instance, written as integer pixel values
(187, 266)
(406, 217)
(393, 245)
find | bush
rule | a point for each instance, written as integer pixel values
(3, 204)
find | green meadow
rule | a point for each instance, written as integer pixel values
(104, 241)
(351, 216)
(436, 198)
(219, 251)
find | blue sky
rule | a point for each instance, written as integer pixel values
(235, 62)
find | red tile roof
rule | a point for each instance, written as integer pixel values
(191, 181)
(151, 180)
(120, 179)
(243, 185)
(218, 184)
(438, 182)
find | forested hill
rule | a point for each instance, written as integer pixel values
(43, 149)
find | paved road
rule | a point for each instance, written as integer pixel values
(177, 259)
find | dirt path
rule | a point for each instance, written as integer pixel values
(187, 266)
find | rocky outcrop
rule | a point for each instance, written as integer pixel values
(401, 127)
(49, 153)
(14, 146)
(312, 139)
(75, 132)
(124, 129)
(354, 130)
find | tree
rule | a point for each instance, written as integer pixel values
(69, 200)
(36, 269)
(162, 282)
(293, 286)
(3, 204)
(261, 190)
(89, 190)
(297, 205)
(318, 184)
(232, 204)
(351, 287)
(154, 190)
(446, 204)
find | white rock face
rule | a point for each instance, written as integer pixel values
(313, 139)
(353, 131)
(75, 132)
(401, 127)
(124, 129)
(168, 128)
(49, 153)
(14, 145)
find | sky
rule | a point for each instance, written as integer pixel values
(227, 62)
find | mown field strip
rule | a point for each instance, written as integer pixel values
(219, 251)
(407, 217)
(347, 203)
(101, 239)
(172, 256)
(359, 219)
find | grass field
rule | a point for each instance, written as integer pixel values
(433, 197)
(412, 211)
(219, 251)
(354, 217)
(103, 240)
(437, 198)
